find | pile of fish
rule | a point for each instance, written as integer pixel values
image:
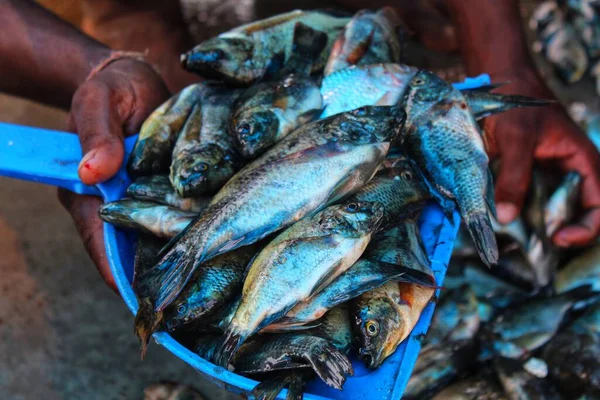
(569, 37)
(528, 328)
(279, 204)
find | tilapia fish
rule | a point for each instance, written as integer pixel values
(253, 51)
(318, 164)
(204, 157)
(399, 187)
(159, 220)
(369, 38)
(157, 188)
(573, 356)
(456, 317)
(267, 112)
(297, 264)
(212, 286)
(519, 384)
(366, 85)
(384, 317)
(582, 271)
(517, 332)
(445, 141)
(152, 151)
(395, 254)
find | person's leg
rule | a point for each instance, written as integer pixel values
(153, 26)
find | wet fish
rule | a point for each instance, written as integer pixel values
(492, 290)
(152, 151)
(574, 355)
(384, 317)
(437, 366)
(166, 390)
(474, 388)
(395, 254)
(399, 188)
(566, 53)
(456, 317)
(297, 264)
(483, 103)
(253, 51)
(340, 153)
(444, 139)
(212, 286)
(514, 268)
(204, 157)
(520, 384)
(515, 231)
(582, 271)
(366, 85)
(517, 332)
(159, 220)
(157, 188)
(293, 380)
(267, 112)
(369, 38)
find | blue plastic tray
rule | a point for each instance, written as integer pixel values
(52, 158)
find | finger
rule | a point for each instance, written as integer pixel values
(97, 120)
(84, 211)
(582, 233)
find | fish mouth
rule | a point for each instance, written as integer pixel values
(195, 184)
(372, 361)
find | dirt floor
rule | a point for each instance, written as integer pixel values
(63, 334)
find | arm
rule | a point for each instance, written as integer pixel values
(42, 57)
(492, 40)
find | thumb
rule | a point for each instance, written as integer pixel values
(512, 185)
(96, 116)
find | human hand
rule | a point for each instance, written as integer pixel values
(548, 136)
(110, 105)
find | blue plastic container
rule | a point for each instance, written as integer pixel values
(52, 158)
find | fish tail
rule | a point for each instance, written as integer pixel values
(145, 324)
(484, 238)
(178, 266)
(232, 342)
(269, 389)
(331, 365)
(297, 385)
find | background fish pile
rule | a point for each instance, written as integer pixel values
(526, 329)
(289, 190)
(569, 37)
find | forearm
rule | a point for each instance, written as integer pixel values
(42, 57)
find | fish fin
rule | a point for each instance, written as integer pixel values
(167, 247)
(361, 49)
(178, 266)
(275, 67)
(331, 365)
(484, 238)
(489, 194)
(297, 385)
(146, 323)
(307, 47)
(280, 325)
(410, 275)
(232, 342)
(269, 389)
(485, 104)
(310, 116)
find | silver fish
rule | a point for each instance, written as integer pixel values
(159, 220)
(157, 188)
(318, 164)
(298, 264)
(445, 141)
(358, 86)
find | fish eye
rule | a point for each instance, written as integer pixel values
(418, 81)
(406, 175)
(215, 55)
(372, 328)
(202, 166)
(352, 207)
(244, 129)
(181, 308)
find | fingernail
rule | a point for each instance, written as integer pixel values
(506, 212)
(85, 161)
